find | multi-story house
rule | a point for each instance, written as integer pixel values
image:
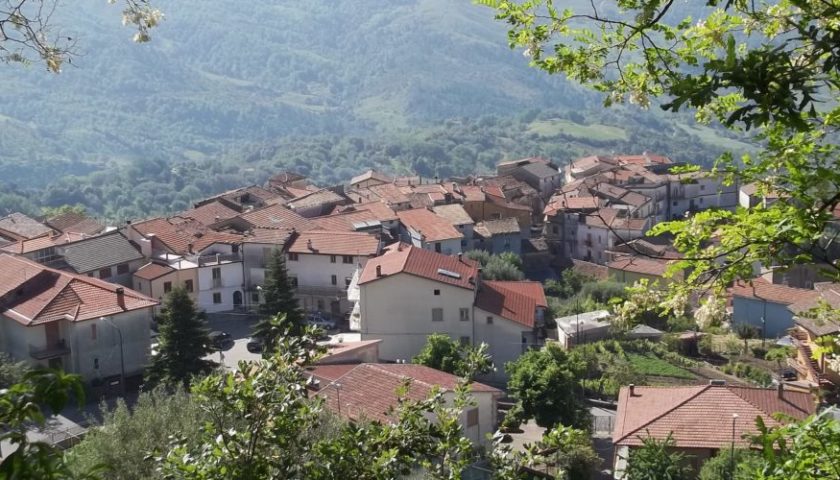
(499, 236)
(221, 280)
(460, 219)
(258, 245)
(63, 320)
(157, 278)
(408, 293)
(321, 265)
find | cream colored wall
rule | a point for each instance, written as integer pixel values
(398, 310)
(503, 338)
(154, 288)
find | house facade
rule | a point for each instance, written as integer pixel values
(765, 306)
(80, 324)
(158, 278)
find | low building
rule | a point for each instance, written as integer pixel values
(80, 324)
(72, 222)
(765, 306)
(632, 268)
(422, 228)
(156, 279)
(370, 179)
(582, 328)
(368, 392)
(17, 227)
(317, 203)
(365, 351)
(460, 219)
(499, 236)
(702, 421)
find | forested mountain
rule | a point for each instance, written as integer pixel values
(227, 92)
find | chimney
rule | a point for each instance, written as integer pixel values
(378, 271)
(121, 297)
(218, 218)
(717, 383)
(309, 244)
(460, 256)
(632, 389)
(780, 389)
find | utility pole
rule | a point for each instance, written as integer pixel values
(732, 449)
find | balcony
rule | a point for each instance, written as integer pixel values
(322, 291)
(57, 349)
(219, 259)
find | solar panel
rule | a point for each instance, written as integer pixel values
(448, 273)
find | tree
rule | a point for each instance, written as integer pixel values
(656, 460)
(26, 30)
(11, 372)
(779, 355)
(183, 342)
(745, 332)
(125, 438)
(544, 382)
(443, 353)
(720, 467)
(807, 450)
(768, 70)
(280, 299)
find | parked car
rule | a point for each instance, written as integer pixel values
(255, 345)
(320, 321)
(221, 340)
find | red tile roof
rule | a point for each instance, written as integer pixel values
(322, 242)
(763, 290)
(210, 213)
(371, 175)
(347, 216)
(562, 203)
(701, 417)
(421, 263)
(515, 301)
(277, 216)
(177, 234)
(369, 391)
(75, 223)
(32, 294)
(21, 226)
(270, 236)
(151, 271)
(43, 242)
(643, 265)
(433, 227)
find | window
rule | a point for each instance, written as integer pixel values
(105, 273)
(332, 258)
(122, 269)
(701, 200)
(472, 417)
(188, 285)
(489, 320)
(438, 247)
(437, 314)
(234, 248)
(217, 298)
(347, 259)
(293, 257)
(293, 281)
(437, 291)
(320, 305)
(217, 273)
(347, 281)
(702, 187)
(255, 297)
(93, 331)
(464, 340)
(96, 364)
(464, 314)
(334, 280)
(167, 287)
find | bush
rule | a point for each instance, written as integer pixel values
(759, 352)
(680, 324)
(718, 467)
(706, 345)
(748, 372)
(513, 418)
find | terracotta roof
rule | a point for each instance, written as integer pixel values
(503, 226)
(772, 293)
(701, 417)
(454, 213)
(594, 270)
(322, 242)
(345, 219)
(371, 174)
(389, 193)
(433, 227)
(32, 294)
(563, 203)
(76, 223)
(644, 159)
(45, 241)
(540, 170)
(643, 265)
(827, 292)
(609, 217)
(369, 391)
(178, 234)
(469, 193)
(210, 213)
(422, 263)
(336, 349)
(315, 199)
(23, 226)
(277, 216)
(271, 236)
(151, 271)
(515, 301)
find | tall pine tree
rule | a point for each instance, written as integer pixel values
(183, 342)
(279, 302)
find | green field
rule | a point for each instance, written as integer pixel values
(554, 127)
(648, 364)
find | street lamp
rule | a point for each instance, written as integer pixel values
(338, 396)
(122, 353)
(732, 449)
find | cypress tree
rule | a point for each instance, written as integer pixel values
(280, 302)
(183, 342)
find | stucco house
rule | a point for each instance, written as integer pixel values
(368, 391)
(157, 278)
(765, 305)
(701, 420)
(422, 228)
(63, 320)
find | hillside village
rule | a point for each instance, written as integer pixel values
(390, 260)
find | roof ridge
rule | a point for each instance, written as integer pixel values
(378, 366)
(692, 397)
(52, 300)
(783, 399)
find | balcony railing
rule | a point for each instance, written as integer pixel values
(56, 349)
(324, 291)
(219, 258)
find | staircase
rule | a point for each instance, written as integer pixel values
(801, 343)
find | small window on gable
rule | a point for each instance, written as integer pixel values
(464, 314)
(437, 291)
(122, 268)
(489, 319)
(105, 273)
(293, 257)
(332, 259)
(472, 417)
(167, 287)
(347, 259)
(188, 285)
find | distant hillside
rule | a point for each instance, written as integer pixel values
(226, 82)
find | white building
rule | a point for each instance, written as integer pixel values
(81, 324)
(321, 265)
(424, 229)
(221, 281)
